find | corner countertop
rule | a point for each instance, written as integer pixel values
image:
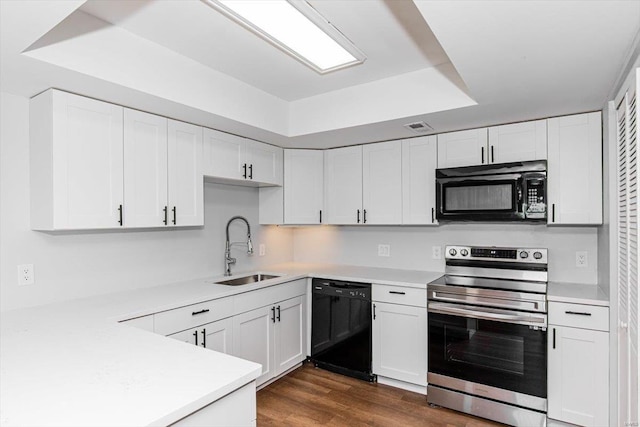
(73, 364)
(577, 293)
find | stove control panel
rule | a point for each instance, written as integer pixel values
(498, 254)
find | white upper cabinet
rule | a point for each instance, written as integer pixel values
(382, 183)
(419, 158)
(574, 169)
(145, 169)
(343, 185)
(76, 155)
(231, 157)
(464, 148)
(223, 155)
(186, 192)
(518, 142)
(499, 144)
(303, 186)
(264, 162)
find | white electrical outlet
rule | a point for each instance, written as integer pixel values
(582, 259)
(437, 252)
(262, 249)
(25, 274)
(384, 250)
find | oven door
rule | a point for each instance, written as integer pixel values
(483, 198)
(490, 347)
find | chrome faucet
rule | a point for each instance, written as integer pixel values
(228, 261)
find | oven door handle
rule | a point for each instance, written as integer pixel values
(497, 302)
(519, 318)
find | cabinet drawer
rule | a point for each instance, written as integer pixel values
(272, 294)
(172, 321)
(579, 316)
(399, 295)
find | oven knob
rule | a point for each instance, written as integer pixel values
(537, 255)
(464, 252)
(524, 254)
(452, 252)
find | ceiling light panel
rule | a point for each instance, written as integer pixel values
(296, 28)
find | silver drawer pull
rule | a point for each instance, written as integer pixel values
(397, 292)
(206, 310)
(579, 313)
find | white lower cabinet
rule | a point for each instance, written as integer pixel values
(578, 365)
(400, 334)
(274, 336)
(236, 409)
(217, 336)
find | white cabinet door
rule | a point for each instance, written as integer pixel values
(574, 169)
(77, 162)
(223, 155)
(264, 162)
(218, 336)
(303, 186)
(464, 148)
(343, 185)
(578, 376)
(186, 192)
(518, 142)
(253, 339)
(290, 334)
(419, 158)
(145, 169)
(382, 183)
(400, 342)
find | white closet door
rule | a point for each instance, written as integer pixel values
(145, 169)
(628, 384)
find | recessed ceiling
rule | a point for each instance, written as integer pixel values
(453, 64)
(393, 36)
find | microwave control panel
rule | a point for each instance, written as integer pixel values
(535, 199)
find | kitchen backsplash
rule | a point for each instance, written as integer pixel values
(411, 247)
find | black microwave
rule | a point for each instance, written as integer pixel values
(499, 192)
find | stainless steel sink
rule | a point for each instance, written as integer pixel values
(245, 280)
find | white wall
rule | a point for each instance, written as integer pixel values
(411, 247)
(74, 265)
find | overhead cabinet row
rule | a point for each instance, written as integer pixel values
(96, 165)
(394, 182)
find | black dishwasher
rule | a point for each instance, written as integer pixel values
(341, 327)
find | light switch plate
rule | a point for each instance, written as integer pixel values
(437, 252)
(262, 249)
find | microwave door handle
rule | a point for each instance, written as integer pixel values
(479, 313)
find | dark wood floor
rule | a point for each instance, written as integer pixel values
(310, 396)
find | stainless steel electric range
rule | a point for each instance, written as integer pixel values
(488, 334)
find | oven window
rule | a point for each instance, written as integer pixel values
(479, 197)
(503, 355)
(486, 350)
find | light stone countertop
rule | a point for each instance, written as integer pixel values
(73, 364)
(577, 293)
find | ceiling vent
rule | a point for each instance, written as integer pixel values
(418, 127)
